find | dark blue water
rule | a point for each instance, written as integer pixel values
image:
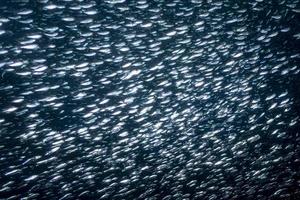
(149, 99)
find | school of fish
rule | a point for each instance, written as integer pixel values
(149, 99)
